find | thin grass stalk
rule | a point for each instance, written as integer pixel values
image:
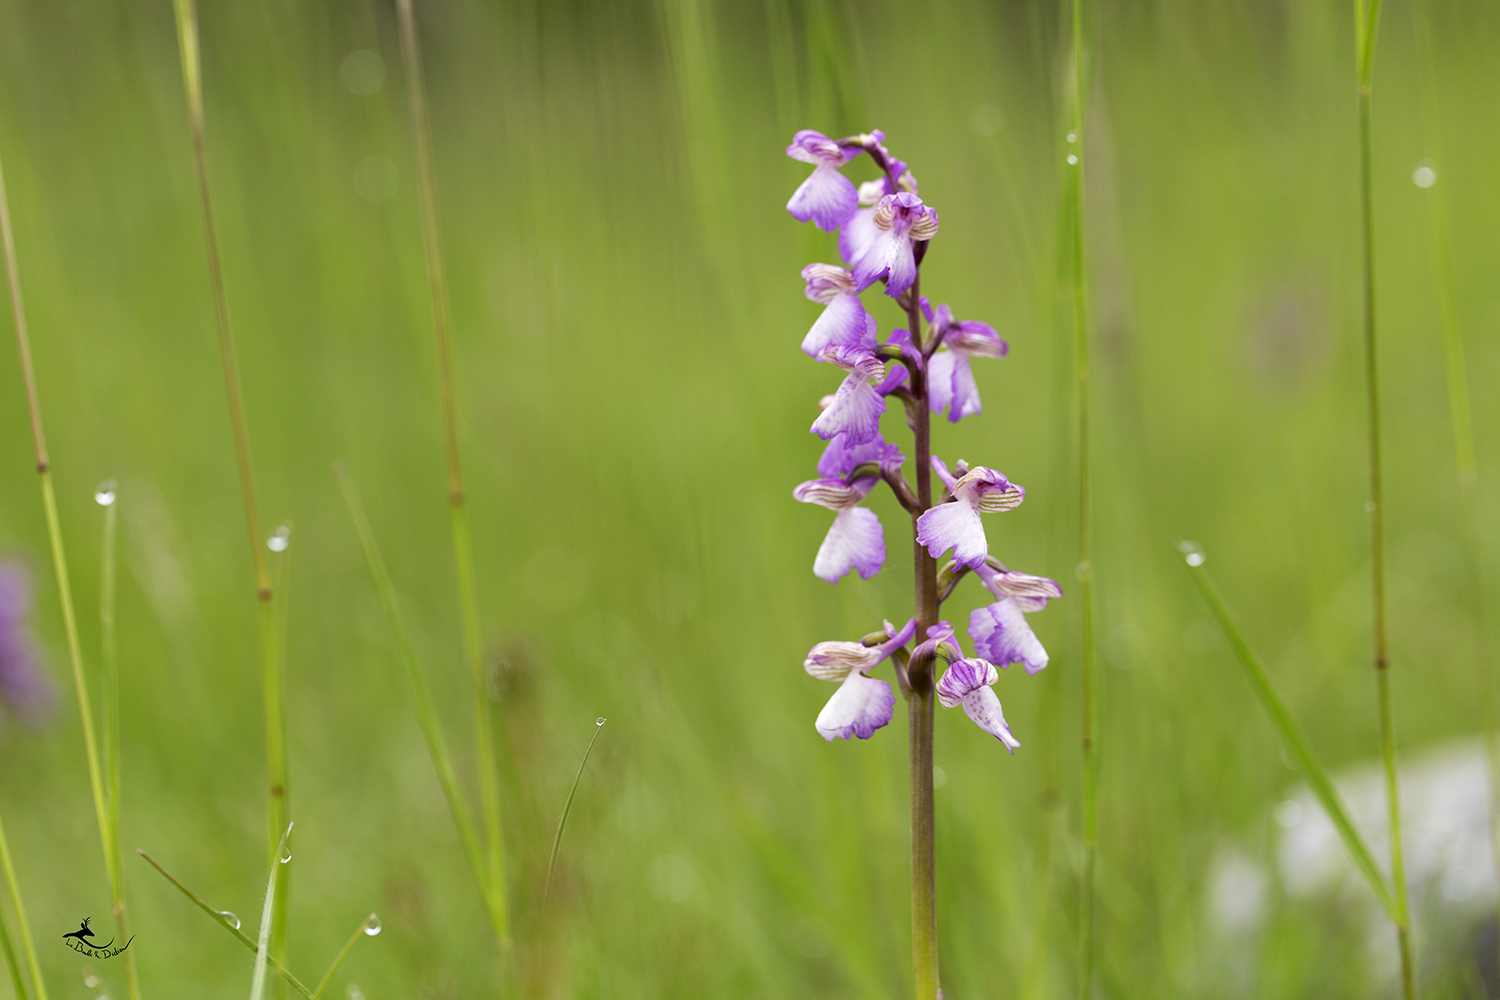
(278, 805)
(422, 704)
(1090, 678)
(17, 981)
(1293, 739)
(363, 930)
(27, 945)
(489, 793)
(267, 916)
(60, 571)
(1366, 27)
(1461, 418)
(223, 921)
(562, 820)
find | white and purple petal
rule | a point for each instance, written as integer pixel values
(832, 661)
(856, 408)
(964, 401)
(955, 525)
(855, 541)
(832, 492)
(1002, 635)
(967, 683)
(940, 381)
(840, 458)
(843, 322)
(857, 235)
(860, 706)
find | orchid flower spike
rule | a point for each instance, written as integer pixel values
(856, 408)
(967, 683)
(956, 525)
(999, 630)
(950, 380)
(855, 540)
(862, 704)
(844, 323)
(827, 197)
(902, 221)
(24, 685)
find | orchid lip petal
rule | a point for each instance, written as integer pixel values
(860, 706)
(855, 541)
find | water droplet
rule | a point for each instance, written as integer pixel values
(233, 920)
(1192, 552)
(104, 493)
(286, 855)
(1072, 136)
(354, 992)
(1369, 506)
(599, 721)
(1425, 176)
(372, 926)
(90, 980)
(1072, 160)
(280, 539)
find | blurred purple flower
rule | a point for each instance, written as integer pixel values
(862, 704)
(999, 630)
(956, 525)
(23, 684)
(827, 197)
(901, 220)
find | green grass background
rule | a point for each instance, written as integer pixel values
(633, 413)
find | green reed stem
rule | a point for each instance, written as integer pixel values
(359, 932)
(562, 820)
(489, 791)
(15, 900)
(1366, 28)
(421, 703)
(60, 570)
(278, 807)
(1292, 737)
(223, 922)
(1461, 418)
(1090, 676)
(17, 981)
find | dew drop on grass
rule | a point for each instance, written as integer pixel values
(234, 921)
(280, 539)
(1192, 552)
(90, 980)
(1072, 136)
(286, 855)
(599, 721)
(1425, 176)
(104, 494)
(1072, 160)
(372, 926)
(354, 992)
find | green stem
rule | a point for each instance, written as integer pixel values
(15, 900)
(60, 570)
(17, 980)
(562, 820)
(1090, 678)
(338, 960)
(223, 922)
(278, 807)
(489, 793)
(1367, 26)
(421, 703)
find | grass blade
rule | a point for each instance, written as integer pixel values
(223, 921)
(421, 703)
(1292, 736)
(15, 898)
(562, 820)
(17, 982)
(368, 927)
(263, 943)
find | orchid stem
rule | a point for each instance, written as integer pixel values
(1090, 678)
(919, 700)
(1366, 27)
(64, 590)
(278, 811)
(489, 795)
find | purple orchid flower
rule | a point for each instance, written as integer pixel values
(902, 221)
(840, 458)
(999, 630)
(950, 380)
(23, 684)
(844, 323)
(862, 704)
(956, 525)
(827, 197)
(967, 683)
(855, 540)
(856, 408)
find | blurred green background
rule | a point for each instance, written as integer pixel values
(634, 409)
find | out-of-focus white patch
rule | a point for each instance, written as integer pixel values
(1450, 865)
